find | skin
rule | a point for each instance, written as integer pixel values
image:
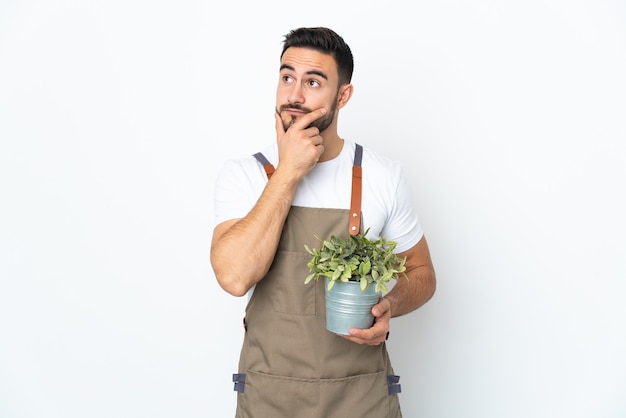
(308, 100)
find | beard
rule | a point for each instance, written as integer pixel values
(322, 123)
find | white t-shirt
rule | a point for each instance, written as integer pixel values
(386, 205)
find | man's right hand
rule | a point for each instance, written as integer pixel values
(300, 146)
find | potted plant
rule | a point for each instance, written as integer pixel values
(356, 272)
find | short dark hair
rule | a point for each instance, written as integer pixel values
(326, 41)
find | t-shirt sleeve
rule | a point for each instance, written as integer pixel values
(237, 188)
(403, 224)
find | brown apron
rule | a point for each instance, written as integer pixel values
(290, 365)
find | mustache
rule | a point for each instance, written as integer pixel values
(295, 107)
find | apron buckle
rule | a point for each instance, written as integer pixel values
(240, 382)
(393, 384)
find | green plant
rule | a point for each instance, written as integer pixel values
(357, 259)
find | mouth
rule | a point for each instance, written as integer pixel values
(294, 111)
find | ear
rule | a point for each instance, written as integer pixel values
(345, 93)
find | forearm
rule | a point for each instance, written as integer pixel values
(242, 252)
(414, 290)
(410, 293)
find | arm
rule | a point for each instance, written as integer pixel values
(256, 235)
(406, 296)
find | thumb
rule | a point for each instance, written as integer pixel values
(380, 308)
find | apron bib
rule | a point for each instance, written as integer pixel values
(291, 366)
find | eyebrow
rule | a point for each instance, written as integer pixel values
(310, 72)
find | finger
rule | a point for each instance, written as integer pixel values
(357, 340)
(309, 118)
(314, 134)
(363, 334)
(353, 339)
(280, 128)
(381, 307)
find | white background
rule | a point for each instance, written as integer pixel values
(508, 117)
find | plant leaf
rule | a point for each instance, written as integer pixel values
(365, 268)
(309, 278)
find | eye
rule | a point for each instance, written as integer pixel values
(314, 83)
(287, 79)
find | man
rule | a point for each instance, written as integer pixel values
(298, 189)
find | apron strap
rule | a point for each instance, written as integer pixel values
(269, 168)
(354, 224)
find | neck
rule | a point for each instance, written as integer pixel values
(332, 147)
(333, 144)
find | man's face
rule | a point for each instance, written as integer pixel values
(308, 81)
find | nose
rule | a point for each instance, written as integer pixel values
(295, 94)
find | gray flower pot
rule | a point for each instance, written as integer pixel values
(347, 306)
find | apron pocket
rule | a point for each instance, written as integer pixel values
(272, 396)
(365, 395)
(290, 295)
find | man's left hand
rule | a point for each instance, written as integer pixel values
(377, 334)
